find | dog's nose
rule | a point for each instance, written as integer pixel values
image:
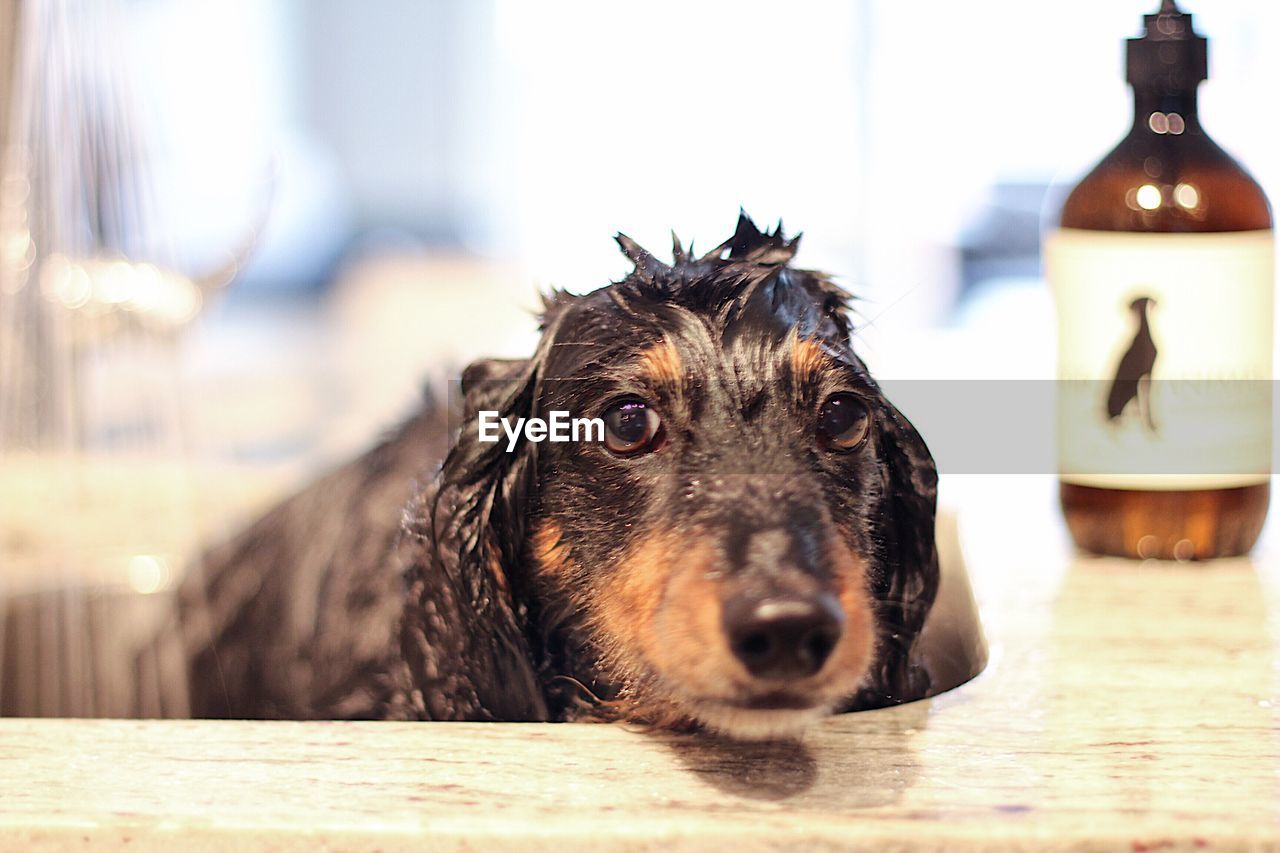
(783, 638)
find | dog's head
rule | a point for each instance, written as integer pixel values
(748, 544)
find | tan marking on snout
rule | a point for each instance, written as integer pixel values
(660, 612)
(686, 639)
(630, 593)
(850, 659)
(657, 612)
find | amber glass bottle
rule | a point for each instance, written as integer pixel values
(1162, 271)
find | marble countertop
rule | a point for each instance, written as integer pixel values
(1127, 705)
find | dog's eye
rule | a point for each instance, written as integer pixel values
(844, 422)
(630, 426)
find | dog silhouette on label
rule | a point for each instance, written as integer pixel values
(1132, 382)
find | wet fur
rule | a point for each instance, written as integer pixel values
(557, 583)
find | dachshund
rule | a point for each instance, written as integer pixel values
(746, 545)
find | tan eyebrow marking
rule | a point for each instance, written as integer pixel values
(807, 359)
(662, 365)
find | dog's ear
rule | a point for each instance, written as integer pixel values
(908, 582)
(464, 652)
(487, 382)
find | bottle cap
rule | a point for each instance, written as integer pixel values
(1169, 56)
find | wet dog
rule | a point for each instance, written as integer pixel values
(745, 543)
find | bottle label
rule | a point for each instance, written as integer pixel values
(1164, 357)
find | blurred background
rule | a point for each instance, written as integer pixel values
(466, 153)
(456, 148)
(387, 187)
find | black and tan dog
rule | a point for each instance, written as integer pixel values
(750, 546)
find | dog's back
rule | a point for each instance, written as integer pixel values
(294, 617)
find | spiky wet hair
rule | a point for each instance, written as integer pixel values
(723, 280)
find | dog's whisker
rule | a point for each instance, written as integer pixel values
(582, 687)
(896, 301)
